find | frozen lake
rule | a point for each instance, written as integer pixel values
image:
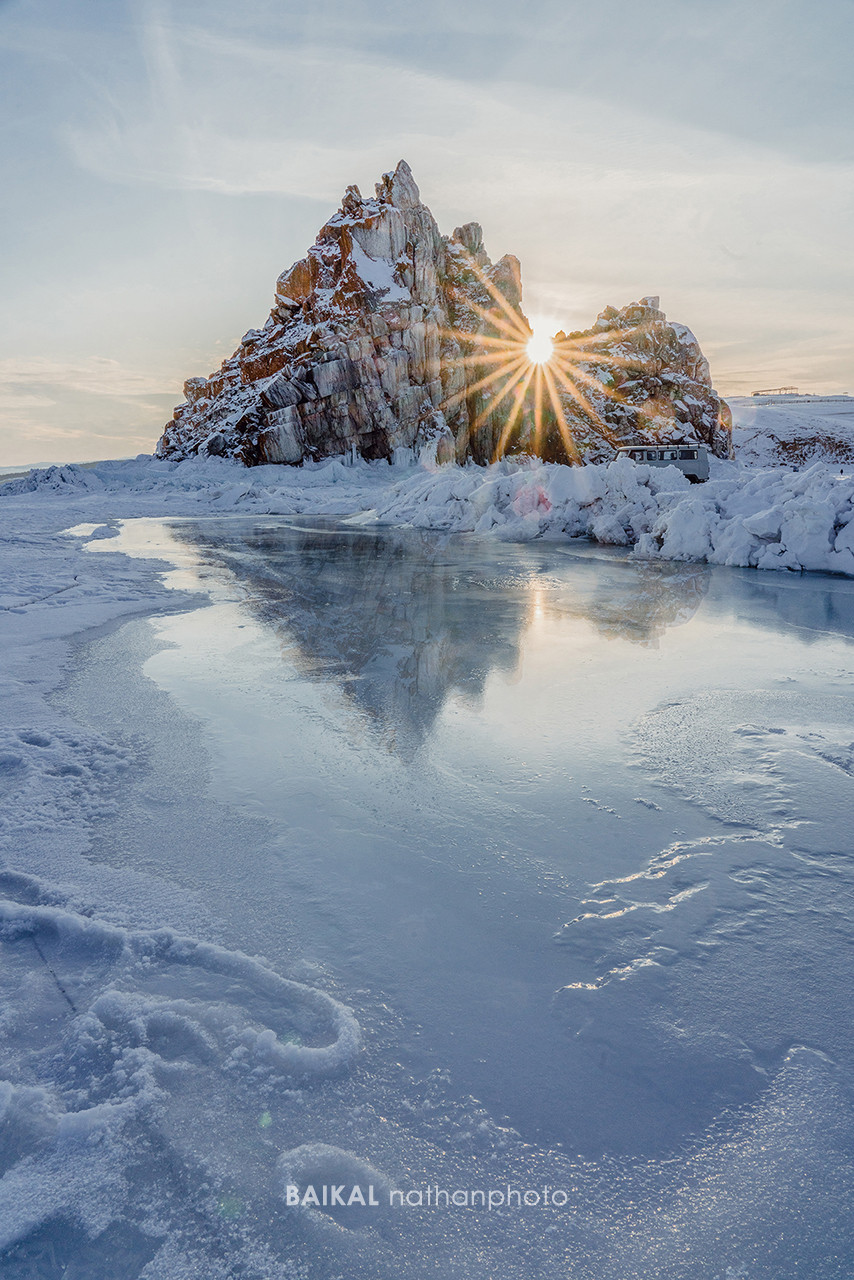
(570, 835)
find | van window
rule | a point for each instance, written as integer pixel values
(671, 453)
(652, 455)
(686, 454)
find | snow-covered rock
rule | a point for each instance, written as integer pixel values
(643, 378)
(390, 335)
(772, 519)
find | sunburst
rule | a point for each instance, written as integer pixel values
(540, 347)
(521, 365)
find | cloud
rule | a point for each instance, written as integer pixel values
(236, 117)
(10, 402)
(594, 162)
(54, 410)
(601, 204)
(96, 376)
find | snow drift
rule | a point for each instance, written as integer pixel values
(772, 518)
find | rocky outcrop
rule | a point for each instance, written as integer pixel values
(389, 335)
(640, 377)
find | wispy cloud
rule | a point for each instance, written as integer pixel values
(97, 376)
(55, 410)
(10, 402)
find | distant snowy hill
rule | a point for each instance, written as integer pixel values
(773, 431)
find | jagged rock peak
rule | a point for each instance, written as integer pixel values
(399, 188)
(384, 337)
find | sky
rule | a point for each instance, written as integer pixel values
(164, 160)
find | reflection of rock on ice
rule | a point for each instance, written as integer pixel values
(402, 619)
(642, 603)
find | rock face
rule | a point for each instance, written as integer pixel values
(389, 335)
(641, 377)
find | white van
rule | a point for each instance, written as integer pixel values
(691, 459)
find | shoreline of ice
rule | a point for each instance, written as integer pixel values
(766, 518)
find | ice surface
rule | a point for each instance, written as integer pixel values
(566, 829)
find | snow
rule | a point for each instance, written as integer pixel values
(415, 855)
(378, 275)
(766, 518)
(793, 430)
(684, 334)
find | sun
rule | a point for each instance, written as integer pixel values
(517, 371)
(540, 348)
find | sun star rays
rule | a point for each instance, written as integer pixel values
(534, 378)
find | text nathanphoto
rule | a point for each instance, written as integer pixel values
(430, 1196)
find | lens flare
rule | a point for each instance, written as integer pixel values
(540, 348)
(539, 383)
